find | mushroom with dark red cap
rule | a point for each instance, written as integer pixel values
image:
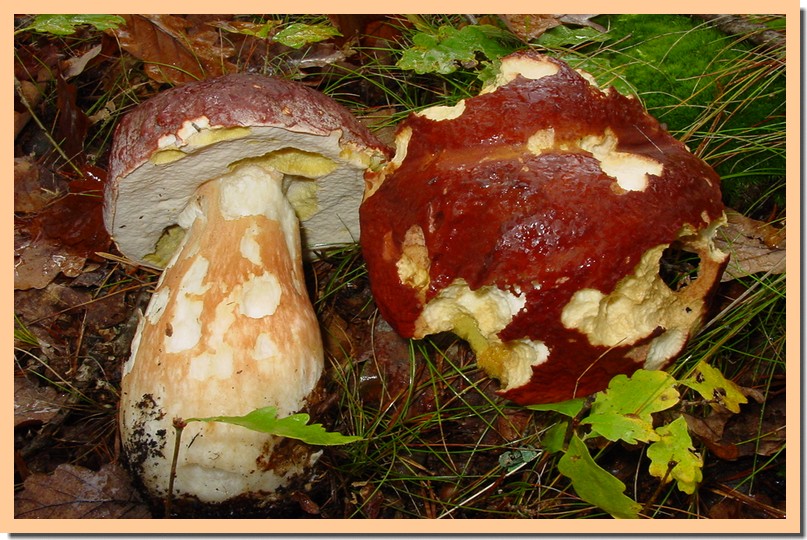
(532, 221)
(214, 181)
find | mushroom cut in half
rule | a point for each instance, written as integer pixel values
(228, 183)
(537, 221)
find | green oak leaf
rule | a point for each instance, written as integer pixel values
(594, 484)
(443, 51)
(674, 452)
(298, 35)
(295, 426)
(624, 410)
(713, 386)
(65, 25)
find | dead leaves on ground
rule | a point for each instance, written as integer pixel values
(756, 247)
(72, 492)
(57, 227)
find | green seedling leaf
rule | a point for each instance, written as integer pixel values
(624, 411)
(65, 25)
(594, 484)
(295, 426)
(298, 35)
(444, 51)
(570, 408)
(673, 457)
(553, 438)
(713, 386)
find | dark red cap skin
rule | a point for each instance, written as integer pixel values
(503, 216)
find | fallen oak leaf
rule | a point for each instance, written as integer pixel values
(73, 492)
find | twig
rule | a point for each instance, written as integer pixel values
(179, 426)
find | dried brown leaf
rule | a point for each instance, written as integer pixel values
(74, 66)
(529, 27)
(758, 429)
(72, 124)
(34, 186)
(72, 492)
(35, 404)
(62, 236)
(755, 246)
(38, 260)
(170, 53)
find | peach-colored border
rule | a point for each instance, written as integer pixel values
(792, 524)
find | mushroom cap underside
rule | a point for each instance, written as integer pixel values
(170, 144)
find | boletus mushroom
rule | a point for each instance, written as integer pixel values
(536, 221)
(227, 183)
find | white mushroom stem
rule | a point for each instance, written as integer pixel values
(229, 329)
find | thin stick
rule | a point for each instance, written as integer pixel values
(179, 426)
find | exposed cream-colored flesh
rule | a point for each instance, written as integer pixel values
(230, 329)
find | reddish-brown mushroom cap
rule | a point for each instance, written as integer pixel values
(531, 219)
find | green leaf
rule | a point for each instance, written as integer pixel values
(295, 426)
(571, 407)
(713, 386)
(594, 484)
(624, 411)
(553, 438)
(299, 34)
(674, 452)
(65, 25)
(444, 51)
(565, 36)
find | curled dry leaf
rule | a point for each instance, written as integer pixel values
(72, 492)
(755, 246)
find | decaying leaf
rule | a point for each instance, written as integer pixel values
(62, 235)
(755, 246)
(38, 260)
(34, 186)
(72, 492)
(34, 404)
(174, 54)
(715, 388)
(529, 27)
(759, 429)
